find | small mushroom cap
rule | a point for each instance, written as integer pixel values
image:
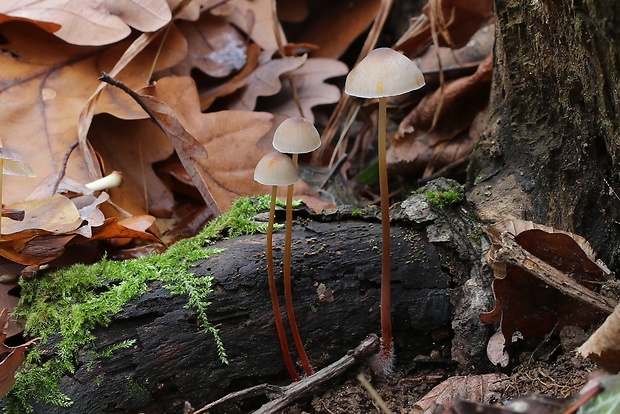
(383, 72)
(275, 168)
(296, 135)
(15, 164)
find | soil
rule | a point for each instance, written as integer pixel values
(547, 371)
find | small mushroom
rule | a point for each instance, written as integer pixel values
(381, 74)
(295, 136)
(12, 163)
(276, 169)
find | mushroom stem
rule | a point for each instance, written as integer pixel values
(274, 294)
(288, 293)
(386, 319)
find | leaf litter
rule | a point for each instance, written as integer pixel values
(221, 58)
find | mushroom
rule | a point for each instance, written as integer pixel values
(276, 169)
(383, 73)
(12, 163)
(112, 180)
(294, 136)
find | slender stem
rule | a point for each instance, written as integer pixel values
(288, 293)
(386, 319)
(274, 294)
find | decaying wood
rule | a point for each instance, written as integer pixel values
(439, 286)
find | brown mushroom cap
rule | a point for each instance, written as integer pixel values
(296, 135)
(383, 72)
(275, 168)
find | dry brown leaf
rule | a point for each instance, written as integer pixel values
(209, 95)
(45, 84)
(265, 80)
(215, 47)
(35, 247)
(311, 88)
(55, 215)
(603, 347)
(292, 11)
(8, 301)
(480, 388)
(91, 22)
(334, 28)
(230, 139)
(530, 314)
(12, 357)
(416, 150)
(462, 17)
(255, 18)
(132, 147)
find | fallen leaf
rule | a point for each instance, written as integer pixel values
(480, 388)
(333, 29)
(90, 22)
(44, 86)
(417, 149)
(12, 357)
(530, 313)
(255, 17)
(230, 137)
(312, 90)
(214, 46)
(132, 147)
(603, 347)
(265, 80)
(55, 215)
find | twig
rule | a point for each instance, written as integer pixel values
(290, 393)
(63, 169)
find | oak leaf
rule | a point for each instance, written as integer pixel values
(90, 22)
(44, 86)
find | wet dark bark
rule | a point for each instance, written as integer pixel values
(434, 252)
(551, 152)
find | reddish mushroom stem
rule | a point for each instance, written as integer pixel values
(386, 352)
(288, 291)
(274, 294)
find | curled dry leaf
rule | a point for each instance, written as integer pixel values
(536, 266)
(132, 147)
(334, 28)
(45, 85)
(418, 149)
(214, 46)
(230, 138)
(255, 18)
(462, 17)
(12, 357)
(90, 22)
(603, 347)
(265, 80)
(480, 388)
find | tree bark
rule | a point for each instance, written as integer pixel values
(336, 277)
(551, 151)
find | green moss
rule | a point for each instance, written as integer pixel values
(356, 212)
(442, 199)
(68, 304)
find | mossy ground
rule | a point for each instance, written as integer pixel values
(69, 304)
(442, 199)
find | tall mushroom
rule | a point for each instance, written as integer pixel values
(276, 169)
(294, 136)
(381, 74)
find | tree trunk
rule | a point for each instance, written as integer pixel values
(336, 282)
(551, 151)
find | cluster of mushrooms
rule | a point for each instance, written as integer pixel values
(381, 74)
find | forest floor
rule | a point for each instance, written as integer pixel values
(553, 374)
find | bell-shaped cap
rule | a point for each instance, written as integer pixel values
(275, 168)
(296, 135)
(383, 72)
